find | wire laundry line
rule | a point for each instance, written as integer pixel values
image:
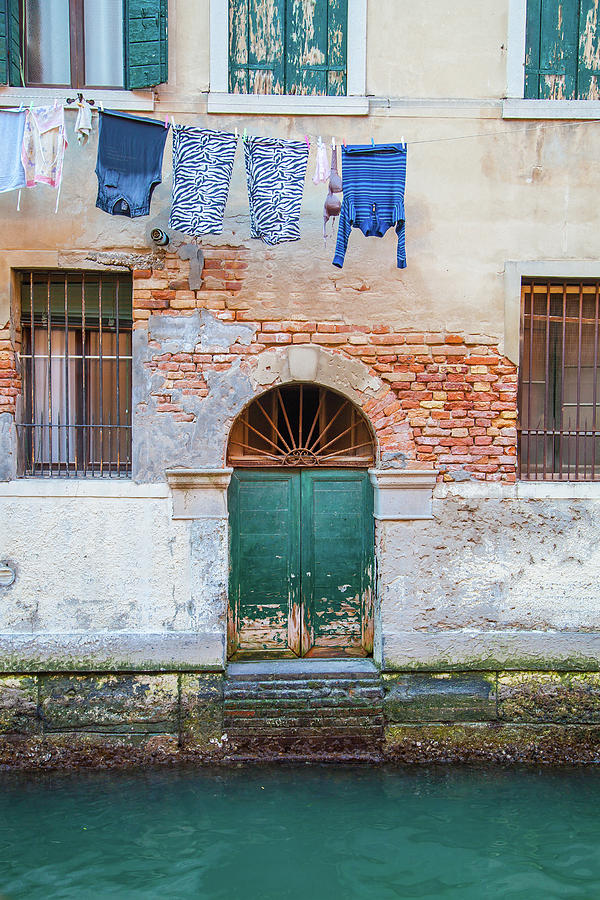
(311, 139)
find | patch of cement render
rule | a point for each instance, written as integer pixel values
(159, 441)
(489, 564)
(8, 447)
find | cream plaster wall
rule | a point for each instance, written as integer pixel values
(109, 560)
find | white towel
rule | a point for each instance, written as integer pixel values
(83, 125)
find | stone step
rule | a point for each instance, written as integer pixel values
(317, 694)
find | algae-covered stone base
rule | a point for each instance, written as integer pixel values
(493, 742)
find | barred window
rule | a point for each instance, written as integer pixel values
(558, 382)
(76, 366)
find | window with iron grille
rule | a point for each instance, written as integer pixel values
(76, 369)
(559, 386)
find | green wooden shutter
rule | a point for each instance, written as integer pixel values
(3, 44)
(316, 47)
(10, 43)
(256, 46)
(552, 44)
(588, 70)
(145, 37)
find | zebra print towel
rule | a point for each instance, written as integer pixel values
(202, 166)
(275, 172)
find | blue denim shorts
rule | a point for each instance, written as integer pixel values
(129, 165)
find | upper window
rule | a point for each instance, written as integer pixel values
(559, 383)
(562, 57)
(76, 365)
(84, 43)
(288, 46)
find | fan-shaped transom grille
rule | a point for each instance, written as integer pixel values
(300, 425)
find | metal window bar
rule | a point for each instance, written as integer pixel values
(76, 364)
(557, 429)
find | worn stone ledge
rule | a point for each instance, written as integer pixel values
(112, 651)
(496, 650)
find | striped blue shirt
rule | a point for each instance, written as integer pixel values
(373, 178)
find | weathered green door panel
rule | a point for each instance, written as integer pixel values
(552, 44)
(264, 516)
(337, 562)
(588, 70)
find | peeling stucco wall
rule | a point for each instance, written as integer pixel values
(492, 580)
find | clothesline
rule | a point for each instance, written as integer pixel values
(314, 139)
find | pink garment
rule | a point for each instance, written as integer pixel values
(44, 142)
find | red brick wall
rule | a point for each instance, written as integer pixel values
(10, 380)
(449, 400)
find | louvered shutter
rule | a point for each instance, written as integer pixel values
(10, 44)
(552, 43)
(256, 46)
(316, 47)
(588, 70)
(146, 46)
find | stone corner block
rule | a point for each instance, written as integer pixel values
(440, 697)
(562, 697)
(199, 493)
(201, 710)
(112, 703)
(403, 494)
(18, 705)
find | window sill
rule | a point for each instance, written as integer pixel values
(131, 101)
(116, 488)
(287, 105)
(551, 109)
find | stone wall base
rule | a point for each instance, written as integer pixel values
(138, 719)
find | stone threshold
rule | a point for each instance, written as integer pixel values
(302, 667)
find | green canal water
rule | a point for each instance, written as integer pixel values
(306, 832)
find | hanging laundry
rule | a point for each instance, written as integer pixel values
(202, 167)
(333, 204)
(374, 180)
(83, 124)
(129, 164)
(43, 149)
(322, 170)
(275, 173)
(12, 173)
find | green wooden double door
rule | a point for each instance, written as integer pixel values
(301, 563)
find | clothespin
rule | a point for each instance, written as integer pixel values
(172, 122)
(403, 142)
(344, 142)
(320, 141)
(245, 135)
(372, 142)
(102, 105)
(307, 141)
(166, 121)
(333, 143)
(236, 133)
